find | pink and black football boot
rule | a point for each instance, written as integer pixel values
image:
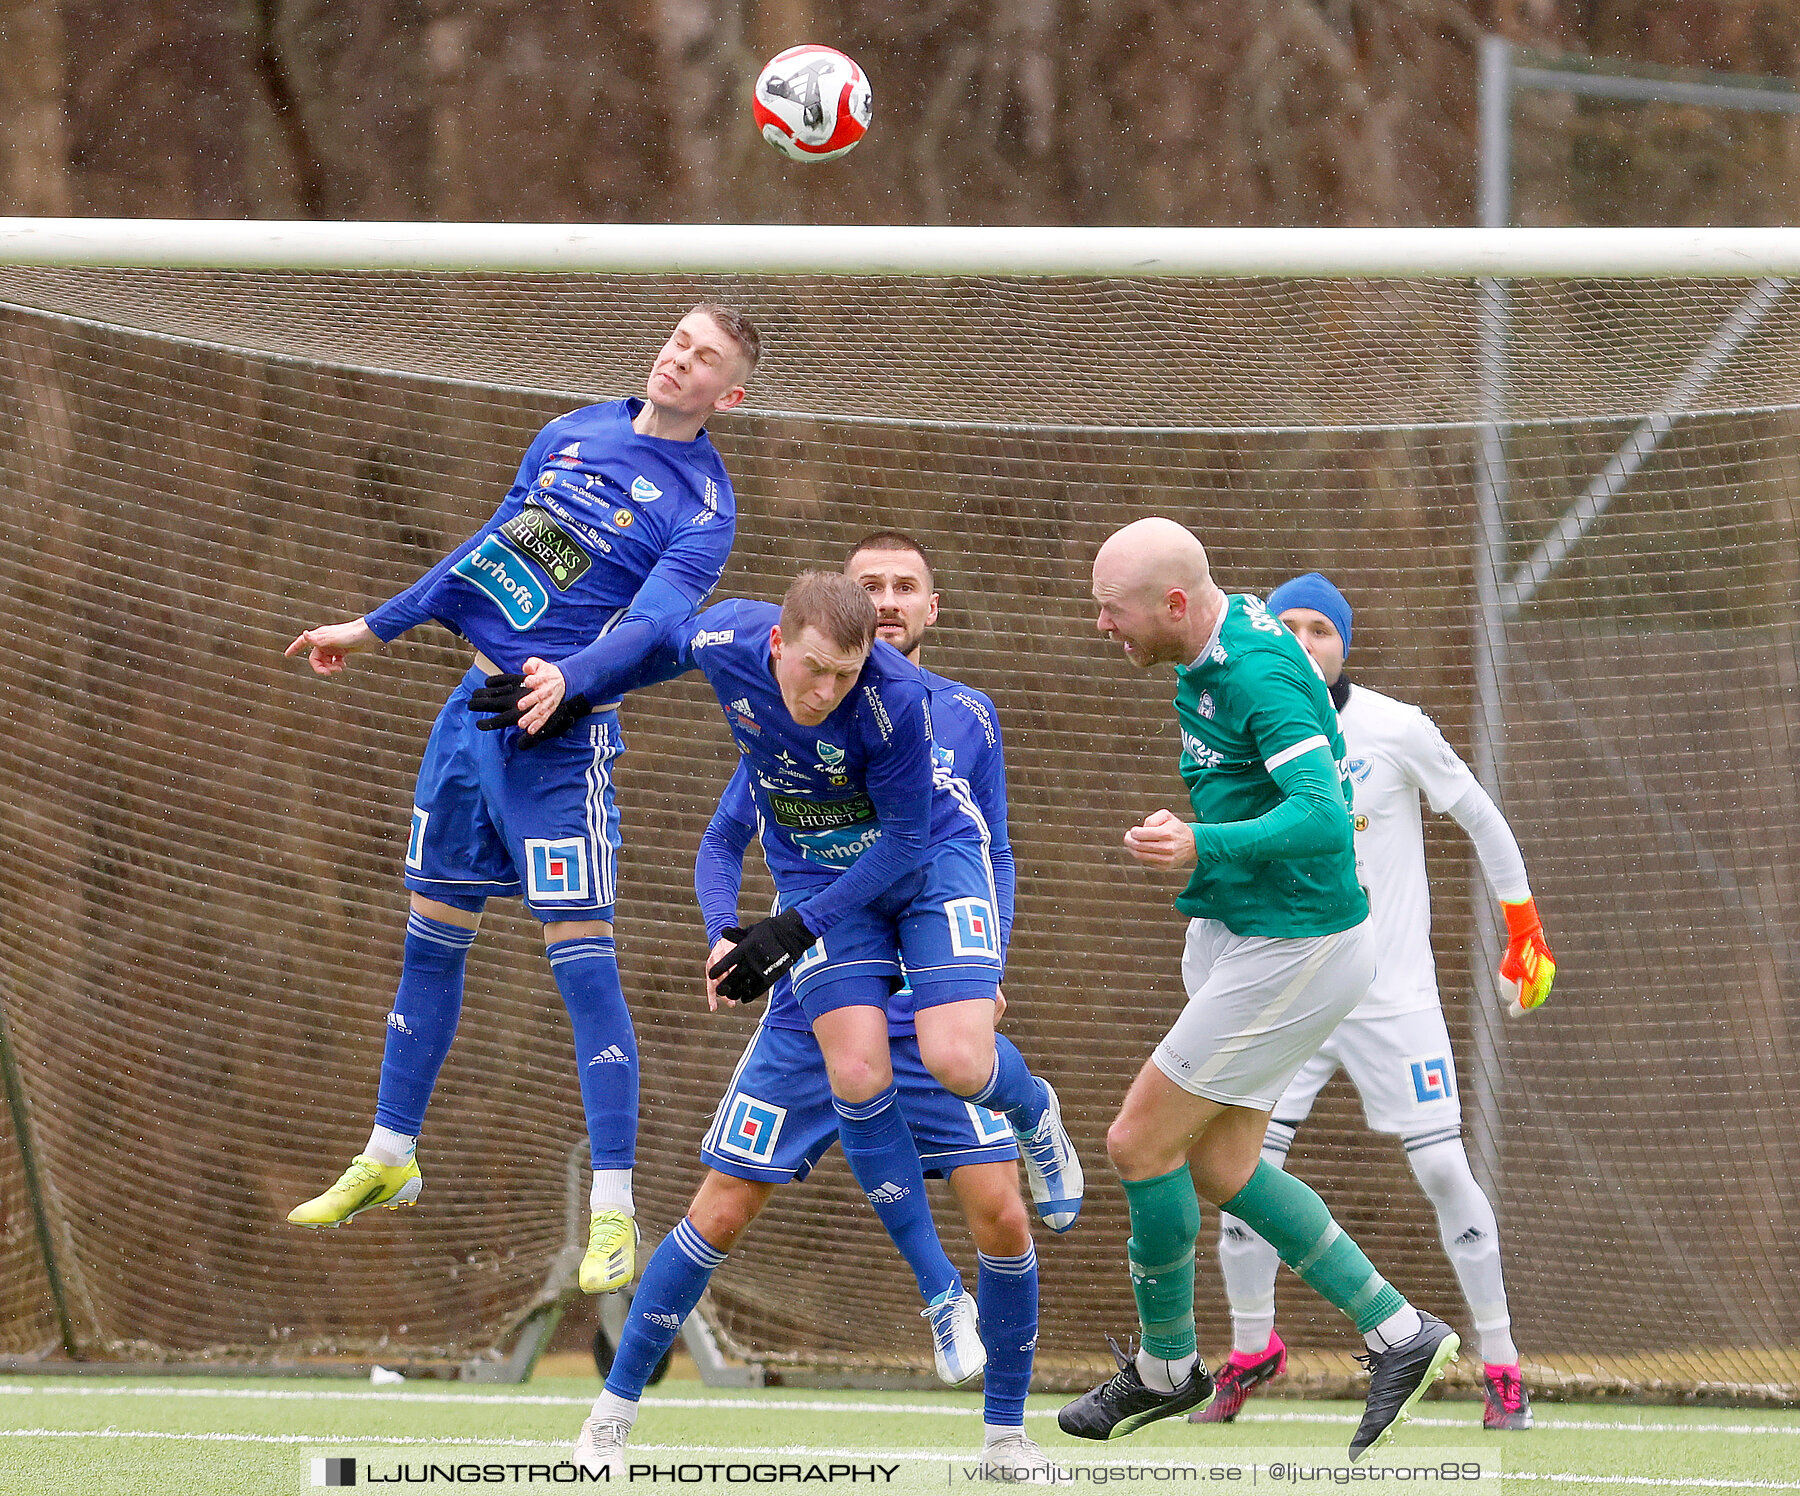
(1505, 1404)
(1242, 1373)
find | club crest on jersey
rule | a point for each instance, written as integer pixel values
(644, 491)
(500, 572)
(943, 758)
(973, 928)
(556, 871)
(1431, 1080)
(1205, 705)
(750, 1127)
(831, 763)
(1359, 769)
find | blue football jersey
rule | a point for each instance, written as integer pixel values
(969, 767)
(595, 512)
(848, 807)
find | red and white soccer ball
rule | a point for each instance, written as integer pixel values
(812, 103)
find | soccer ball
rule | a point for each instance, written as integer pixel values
(812, 103)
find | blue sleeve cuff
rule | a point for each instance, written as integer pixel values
(1006, 882)
(719, 871)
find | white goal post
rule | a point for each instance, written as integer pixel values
(1554, 467)
(904, 250)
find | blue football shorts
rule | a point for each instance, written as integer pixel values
(940, 921)
(776, 1120)
(494, 820)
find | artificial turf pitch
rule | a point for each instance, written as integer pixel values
(251, 1437)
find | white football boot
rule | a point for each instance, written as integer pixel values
(955, 1336)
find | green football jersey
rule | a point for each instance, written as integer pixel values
(1253, 701)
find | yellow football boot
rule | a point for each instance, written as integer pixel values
(611, 1252)
(364, 1185)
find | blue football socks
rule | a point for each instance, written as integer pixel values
(881, 1153)
(677, 1275)
(1006, 1298)
(606, 1055)
(1012, 1090)
(423, 1021)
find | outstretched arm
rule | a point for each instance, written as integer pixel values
(411, 607)
(628, 657)
(327, 645)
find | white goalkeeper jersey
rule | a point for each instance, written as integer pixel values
(1395, 753)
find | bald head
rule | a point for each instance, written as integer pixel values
(1155, 592)
(1153, 555)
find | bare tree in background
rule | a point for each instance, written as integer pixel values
(34, 152)
(986, 111)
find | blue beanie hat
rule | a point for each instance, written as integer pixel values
(1315, 592)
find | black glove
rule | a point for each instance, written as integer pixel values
(762, 953)
(501, 697)
(733, 933)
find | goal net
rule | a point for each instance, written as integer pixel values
(1565, 514)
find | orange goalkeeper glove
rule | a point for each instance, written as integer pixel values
(1527, 961)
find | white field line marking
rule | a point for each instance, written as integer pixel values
(1594, 1425)
(323, 1441)
(272, 1394)
(801, 1452)
(791, 1405)
(1695, 1482)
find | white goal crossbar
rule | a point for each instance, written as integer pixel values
(901, 250)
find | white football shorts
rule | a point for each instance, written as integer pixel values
(1401, 1066)
(1259, 1007)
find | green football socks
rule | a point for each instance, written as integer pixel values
(1165, 1219)
(1288, 1214)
